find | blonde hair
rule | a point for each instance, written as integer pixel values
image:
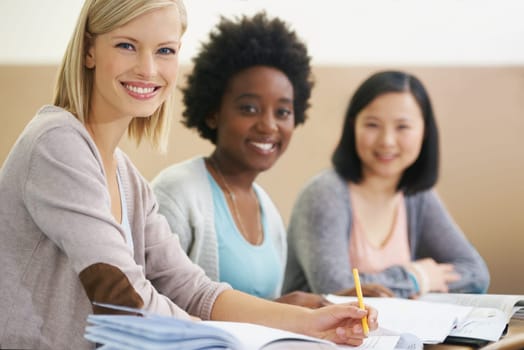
(75, 81)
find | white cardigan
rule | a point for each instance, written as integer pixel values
(184, 194)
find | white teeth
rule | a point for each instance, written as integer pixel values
(263, 146)
(139, 90)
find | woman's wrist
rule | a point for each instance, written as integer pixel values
(413, 280)
(304, 321)
(420, 278)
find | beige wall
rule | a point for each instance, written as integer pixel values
(480, 112)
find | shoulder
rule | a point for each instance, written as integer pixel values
(181, 177)
(327, 179)
(183, 184)
(51, 119)
(424, 204)
(54, 138)
(422, 198)
(326, 184)
(325, 196)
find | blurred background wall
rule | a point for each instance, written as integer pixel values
(474, 73)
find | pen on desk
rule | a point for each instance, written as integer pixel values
(358, 288)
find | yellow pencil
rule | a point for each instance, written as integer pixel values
(358, 287)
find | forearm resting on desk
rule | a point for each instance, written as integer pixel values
(339, 323)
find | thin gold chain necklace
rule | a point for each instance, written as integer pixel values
(231, 194)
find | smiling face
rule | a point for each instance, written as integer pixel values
(255, 120)
(388, 133)
(135, 66)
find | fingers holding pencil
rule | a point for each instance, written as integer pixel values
(348, 323)
(350, 330)
(341, 323)
(368, 312)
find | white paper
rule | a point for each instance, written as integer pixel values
(427, 321)
(482, 323)
(380, 342)
(503, 302)
(255, 337)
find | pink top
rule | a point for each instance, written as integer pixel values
(393, 251)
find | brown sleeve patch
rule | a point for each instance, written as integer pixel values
(105, 283)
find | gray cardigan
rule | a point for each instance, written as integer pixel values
(61, 248)
(318, 242)
(184, 195)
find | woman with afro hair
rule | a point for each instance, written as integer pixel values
(249, 89)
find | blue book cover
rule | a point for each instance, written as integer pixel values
(143, 330)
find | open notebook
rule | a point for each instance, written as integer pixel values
(437, 318)
(510, 305)
(488, 318)
(149, 331)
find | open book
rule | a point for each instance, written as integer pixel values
(437, 318)
(488, 318)
(430, 322)
(509, 304)
(151, 331)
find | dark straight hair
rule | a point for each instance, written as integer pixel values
(423, 173)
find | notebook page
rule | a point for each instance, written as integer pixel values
(428, 321)
(255, 337)
(504, 302)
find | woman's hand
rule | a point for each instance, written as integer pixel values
(368, 290)
(341, 323)
(432, 276)
(310, 300)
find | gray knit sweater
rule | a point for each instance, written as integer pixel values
(61, 248)
(184, 195)
(318, 242)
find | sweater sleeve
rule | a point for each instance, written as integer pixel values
(66, 195)
(168, 267)
(440, 238)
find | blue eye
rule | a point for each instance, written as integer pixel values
(125, 46)
(166, 51)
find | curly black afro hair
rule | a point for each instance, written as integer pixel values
(235, 46)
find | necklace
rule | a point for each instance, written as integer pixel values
(231, 194)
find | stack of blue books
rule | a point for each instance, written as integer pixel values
(128, 332)
(144, 330)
